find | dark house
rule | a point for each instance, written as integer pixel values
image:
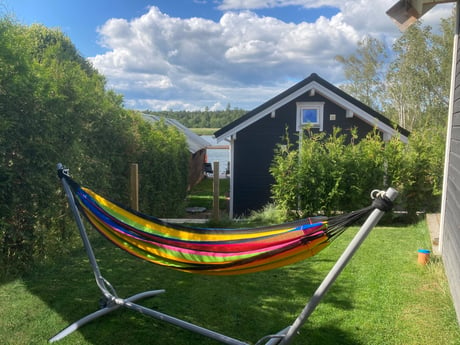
(253, 137)
(196, 146)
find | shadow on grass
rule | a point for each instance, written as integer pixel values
(245, 307)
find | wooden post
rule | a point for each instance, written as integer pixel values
(134, 186)
(215, 189)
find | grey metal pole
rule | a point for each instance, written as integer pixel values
(366, 228)
(86, 243)
(184, 324)
(90, 317)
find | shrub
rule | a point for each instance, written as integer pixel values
(324, 175)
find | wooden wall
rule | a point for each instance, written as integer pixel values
(451, 223)
(196, 162)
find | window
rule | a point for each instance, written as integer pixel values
(310, 114)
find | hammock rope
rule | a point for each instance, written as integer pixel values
(211, 251)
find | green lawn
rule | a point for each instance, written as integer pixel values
(201, 195)
(382, 297)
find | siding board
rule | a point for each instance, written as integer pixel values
(456, 133)
(456, 119)
(454, 147)
(451, 226)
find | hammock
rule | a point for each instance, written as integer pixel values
(210, 251)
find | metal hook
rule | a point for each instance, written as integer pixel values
(377, 194)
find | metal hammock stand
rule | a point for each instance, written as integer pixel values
(283, 337)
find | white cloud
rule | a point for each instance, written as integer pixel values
(258, 4)
(162, 62)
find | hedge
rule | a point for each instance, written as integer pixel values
(336, 173)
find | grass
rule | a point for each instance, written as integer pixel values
(383, 297)
(201, 195)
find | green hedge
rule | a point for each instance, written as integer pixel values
(337, 173)
(54, 107)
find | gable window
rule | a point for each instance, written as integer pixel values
(310, 114)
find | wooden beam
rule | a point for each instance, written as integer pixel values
(216, 192)
(134, 186)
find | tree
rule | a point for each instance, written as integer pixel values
(202, 119)
(364, 70)
(417, 83)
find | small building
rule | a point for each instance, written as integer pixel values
(196, 146)
(253, 137)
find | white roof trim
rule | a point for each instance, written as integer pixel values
(363, 115)
(266, 111)
(357, 111)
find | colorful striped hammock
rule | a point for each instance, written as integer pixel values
(209, 250)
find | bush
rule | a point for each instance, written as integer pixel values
(336, 174)
(416, 170)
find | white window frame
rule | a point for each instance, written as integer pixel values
(318, 106)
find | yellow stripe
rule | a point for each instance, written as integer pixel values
(152, 248)
(141, 223)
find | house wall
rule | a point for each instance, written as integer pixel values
(195, 174)
(451, 225)
(255, 144)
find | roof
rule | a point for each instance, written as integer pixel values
(194, 141)
(327, 90)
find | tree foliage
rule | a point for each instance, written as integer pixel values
(411, 88)
(202, 118)
(54, 107)
(418, 80)
(364, 71)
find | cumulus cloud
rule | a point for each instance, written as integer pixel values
(162, 62)
(258, 4)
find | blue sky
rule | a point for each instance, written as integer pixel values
(191, 54)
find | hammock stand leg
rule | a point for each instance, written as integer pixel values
(113, 301)
(286, 335)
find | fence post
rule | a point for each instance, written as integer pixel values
(215, 189)
(134, 186)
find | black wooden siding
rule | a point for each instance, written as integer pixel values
(451, 231)
(255, 145)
